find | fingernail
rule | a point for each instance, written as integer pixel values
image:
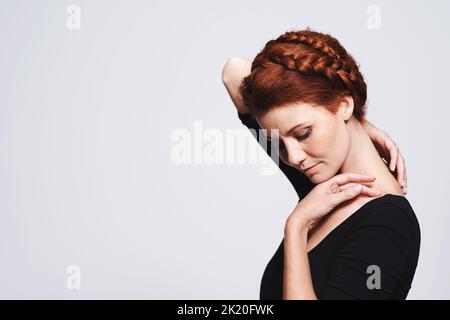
(393, 168)
(357, 187)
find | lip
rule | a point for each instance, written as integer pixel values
(310, 168)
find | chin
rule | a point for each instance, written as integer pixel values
(315, 179)
(319, 177)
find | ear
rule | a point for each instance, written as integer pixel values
(346, 108)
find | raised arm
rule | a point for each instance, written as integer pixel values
(236, 69)
(233, 72)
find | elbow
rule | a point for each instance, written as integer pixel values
(235, 69)
(227, 71)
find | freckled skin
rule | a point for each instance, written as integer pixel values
(337, 142)
(328, 142)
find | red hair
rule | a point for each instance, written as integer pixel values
(303, 67)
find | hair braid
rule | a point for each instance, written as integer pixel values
(320, 55)
(305, 38)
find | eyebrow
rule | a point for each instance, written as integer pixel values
(292, 129)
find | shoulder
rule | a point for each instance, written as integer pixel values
(393, 212)
(389, 226)
(383, 241)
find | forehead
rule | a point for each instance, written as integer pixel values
(285, 117)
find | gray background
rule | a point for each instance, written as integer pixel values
(86, 118)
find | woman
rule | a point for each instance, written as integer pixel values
(353, 234)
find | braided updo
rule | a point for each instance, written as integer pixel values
(303, 66)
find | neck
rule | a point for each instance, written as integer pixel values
(363, 158)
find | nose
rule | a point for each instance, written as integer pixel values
(294, 153)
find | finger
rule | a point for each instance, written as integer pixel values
(393, 153)
(401, 170)
(347, 194)
(405, 188)
(370, 192)
(337, 188)
(355, 191)
(366, 190)
(405, 178)
(382, 146)
(344, 178)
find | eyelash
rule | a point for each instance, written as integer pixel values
(304, 136)
(301, 137)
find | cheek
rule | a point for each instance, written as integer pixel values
(330, 144)
(323, 144)
(340, 147)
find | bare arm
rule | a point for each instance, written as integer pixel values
(297, 280)
(236, 69)
(233, 72)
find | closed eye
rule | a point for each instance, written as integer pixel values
(303, 136)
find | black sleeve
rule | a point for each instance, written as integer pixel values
(386, 239)
(299, 181)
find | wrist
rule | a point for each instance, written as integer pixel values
(296, 225)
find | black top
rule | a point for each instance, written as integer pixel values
(373, 254)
